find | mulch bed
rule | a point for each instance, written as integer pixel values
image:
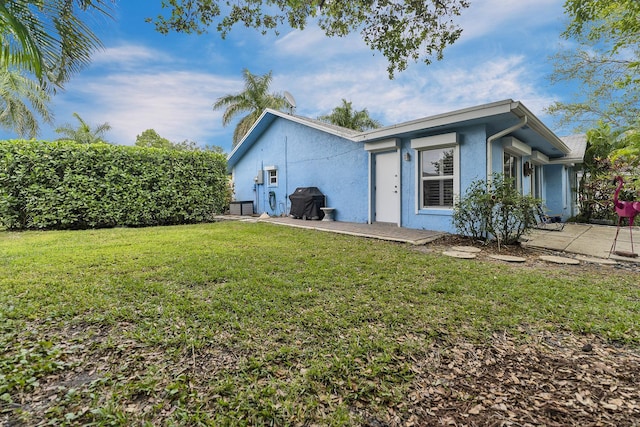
(551, 379)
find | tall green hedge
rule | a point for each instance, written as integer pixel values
(65, 185)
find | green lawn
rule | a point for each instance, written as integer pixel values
(243, 323)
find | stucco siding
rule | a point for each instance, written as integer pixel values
(360, 179)
(554, 195)
(304, 157)
(472, 167)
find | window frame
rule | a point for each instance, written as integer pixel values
(431, 143)
(536, 181)
(517, 169)
(272, 177)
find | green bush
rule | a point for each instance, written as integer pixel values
(65, 185)
(495, 210)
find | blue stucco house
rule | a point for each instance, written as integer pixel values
(407, 174)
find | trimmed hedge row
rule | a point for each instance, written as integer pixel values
(66, 185)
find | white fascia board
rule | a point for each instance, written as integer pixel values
(538, 158)
(384, 145)
(516, 147)
(435, 141)
(566, 161)
(246, 136)
(231, 158)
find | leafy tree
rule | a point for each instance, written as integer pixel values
(252, 100)
(603, 19)
(594, 187)
(344, 115)
(83, 133)
(628, 149)
(401, 30)
(48, 38)
(20, 97)
(213, 148)
(150, 138)
(606, 66)
(187, 145)
(606, 156)
(606, 63)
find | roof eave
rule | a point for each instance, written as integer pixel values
(570, 161)
(444, 119)
(467, 114)
(534, 123)
(237, 151)
(312, 124)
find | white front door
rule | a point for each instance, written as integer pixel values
(387, 187)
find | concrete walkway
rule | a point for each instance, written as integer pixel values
(377, 230)
(587, 240)
(592, 241)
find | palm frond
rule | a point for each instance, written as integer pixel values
(49, 38)
(83, 133)
(21, 101)
(251, 102)
(344, 115)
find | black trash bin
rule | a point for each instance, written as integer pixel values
(306, 203)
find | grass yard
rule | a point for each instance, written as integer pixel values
(256, 324)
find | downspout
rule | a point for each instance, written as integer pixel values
(499, 135)
(370, 189)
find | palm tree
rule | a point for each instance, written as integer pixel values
(20, 97)
(345, 116)
(83, 134)
(253, 99)
(48, 38)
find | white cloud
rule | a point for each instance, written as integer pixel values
(128, 55)
(322, 71)
(171, 87)
(314, 45)
(177, 104)
(419, 92)
(504, 17)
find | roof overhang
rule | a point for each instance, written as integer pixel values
(439, 120)
(567, 161)
(500, 110)
(516, 147)
(538, 158)
(498, 115)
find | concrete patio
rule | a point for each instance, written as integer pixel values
(382, 231)
(587, 240)
(578, 239)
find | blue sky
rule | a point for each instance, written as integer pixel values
(145, 80)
